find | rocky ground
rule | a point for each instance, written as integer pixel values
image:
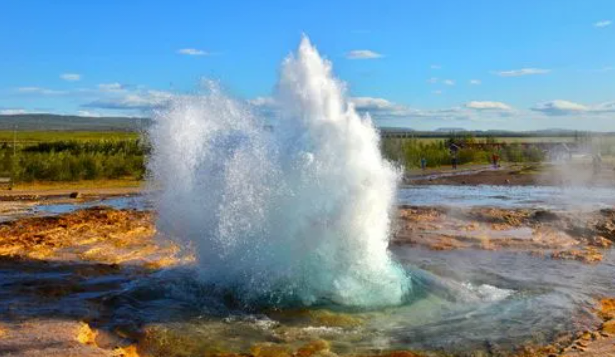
(562, 235)
(80, 250)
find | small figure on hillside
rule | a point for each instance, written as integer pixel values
(423, 163)
(495, 160)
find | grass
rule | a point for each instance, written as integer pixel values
(92, 156)
(51, 136)
(408, 152)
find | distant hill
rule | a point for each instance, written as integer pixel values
(394, 129)
(450, 130)
(52, 122)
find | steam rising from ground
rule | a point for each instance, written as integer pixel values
(297, 214)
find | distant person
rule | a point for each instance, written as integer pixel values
(495, 159)
(453, 149)
(597, 164)
(423, 163)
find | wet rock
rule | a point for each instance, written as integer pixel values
(600, 242)
(608, 327)
(97, 235)
(111, 341)
(86, 335)
(607, 230)
(270, 350)
(608, 212)
(312, 348)
(544, 216)
(128, 351)
(607, 309)
(586, 255)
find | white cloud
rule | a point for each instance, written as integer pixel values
(39, 90)
(486, 105)
(380, 107)
(192, 52)
(432, 80)
(111, 87)
(522, 72)
(608, 107)
(479, 111)
(449, 82)
(475, 82)
(435, 66)
(391, 113)
(87, 113)
(564, 107)
(71, 77)
(560, 107)
(261, 101)
(12, 111)
(603, 23)
(144, 100)
(363, 54)
(437, 92)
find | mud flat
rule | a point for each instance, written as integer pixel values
(100, 282)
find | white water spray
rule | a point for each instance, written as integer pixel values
(297, 214)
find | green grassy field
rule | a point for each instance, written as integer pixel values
(51, 136)
(71, 156)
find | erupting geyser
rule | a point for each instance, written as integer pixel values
(297, 214)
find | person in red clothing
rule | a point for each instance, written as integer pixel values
(495, 158)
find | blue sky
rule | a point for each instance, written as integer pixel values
(511, 64)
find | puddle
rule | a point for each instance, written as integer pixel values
(138, 202)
